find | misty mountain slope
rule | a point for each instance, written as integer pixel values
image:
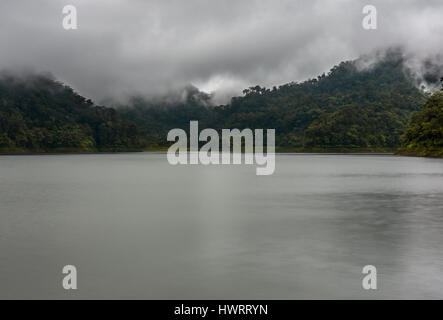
(424, 136)
(155, 118)
(346, 109)
(39, 114)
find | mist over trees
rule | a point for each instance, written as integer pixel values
(344, 110)
(39, 114)
(348, 109)
(424, 136)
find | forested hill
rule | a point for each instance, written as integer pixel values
(39, 114)
(345, 110)
(424, 136)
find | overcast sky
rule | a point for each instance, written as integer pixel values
(148, 47)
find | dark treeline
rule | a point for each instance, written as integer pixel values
(39, 114)
(154, 119)
(424, 136)
(345, 110)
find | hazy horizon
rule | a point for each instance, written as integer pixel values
(152, 48)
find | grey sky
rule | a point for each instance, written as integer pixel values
(149, 47)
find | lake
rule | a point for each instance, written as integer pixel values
(136, 227)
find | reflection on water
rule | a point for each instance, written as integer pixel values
(136, 227)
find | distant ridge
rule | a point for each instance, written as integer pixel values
(39, 114)
(348, 109)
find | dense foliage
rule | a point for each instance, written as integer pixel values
(347, 109)
(155, 118)
(424, 136)
(38, 114)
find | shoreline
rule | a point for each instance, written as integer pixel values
(283, 151)
(330, 152)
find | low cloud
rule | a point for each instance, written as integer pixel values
(149, 48)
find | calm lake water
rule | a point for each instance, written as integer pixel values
(137, 227)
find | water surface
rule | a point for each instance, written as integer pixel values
(137, 227)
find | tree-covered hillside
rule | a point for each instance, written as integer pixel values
(347, 109)
(155, 118)
(424, 136)
(39, 114)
